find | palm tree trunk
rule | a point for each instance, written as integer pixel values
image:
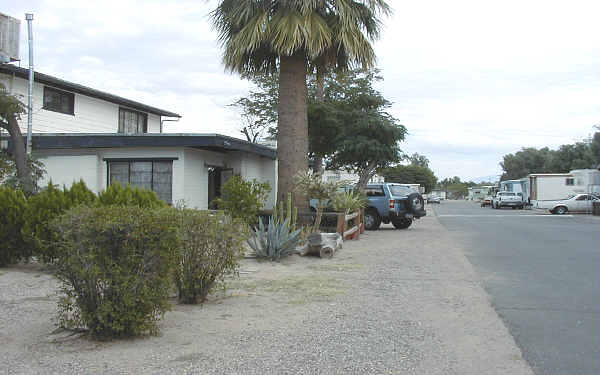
(318, 159)
(18, 150)
(292, 133)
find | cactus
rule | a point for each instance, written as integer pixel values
(274, 241)
(286, 213)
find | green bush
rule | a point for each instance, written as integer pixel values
(348, 201)
(12, 245)
(210, 247)
(115, 267)
(243, 199)
(41, 209)
(274, 241)
(80, 194)
(118, 195)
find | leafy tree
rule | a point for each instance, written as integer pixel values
(259, 108)
(265, 36)
(9, 173)
(410, 174)
(418, 160)
(11, 110)
(595, 148)
(528, 160)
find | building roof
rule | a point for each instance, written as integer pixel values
(551, 174)
(83, 90)
(211, 142)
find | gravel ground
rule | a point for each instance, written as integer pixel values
(395, 302)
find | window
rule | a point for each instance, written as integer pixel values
(132, 122)
(401, 191)
(59, 101)
(570, 181)
(374, 191)
(155, 175)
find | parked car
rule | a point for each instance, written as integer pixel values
(487, 201)
(395, 203)
(507, 199)
(434, 200)
(574, 203)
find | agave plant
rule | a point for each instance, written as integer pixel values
(274, 241)
(348, 201)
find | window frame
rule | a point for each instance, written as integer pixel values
(138, 113)
(71, 95)
(137, 160)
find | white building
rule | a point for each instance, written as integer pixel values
(550, 186)
(340, 175)
(82, 133)
(586, 181)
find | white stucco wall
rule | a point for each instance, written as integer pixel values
(91, 115)
(190, 169)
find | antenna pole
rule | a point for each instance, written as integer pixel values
(29, 18)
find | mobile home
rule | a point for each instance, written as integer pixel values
(550, 186)
(586, 181)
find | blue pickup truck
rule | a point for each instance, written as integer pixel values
(390, 203)
(395, 203)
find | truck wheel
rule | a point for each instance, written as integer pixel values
(402, 223)
(372, 220)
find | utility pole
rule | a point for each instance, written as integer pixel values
(29, 18)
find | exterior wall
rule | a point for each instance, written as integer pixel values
(586, 180)
(330, 175)
(190, 169)
(551, 187)
(91, 115)
(71, 167)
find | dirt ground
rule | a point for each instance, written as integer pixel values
(279, 310)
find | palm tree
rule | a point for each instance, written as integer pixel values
(263, 36)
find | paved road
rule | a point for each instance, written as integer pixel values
(543, 275)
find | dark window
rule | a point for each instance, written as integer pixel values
(570, 181)
(132, 122)
(59, 101)
(151, 175)
(374, 191)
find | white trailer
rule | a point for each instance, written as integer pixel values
(587, 181)
(550, 186)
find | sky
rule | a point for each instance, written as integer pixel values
(471, 80)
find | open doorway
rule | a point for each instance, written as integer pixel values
(217, 176)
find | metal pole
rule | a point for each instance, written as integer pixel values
(29, 18)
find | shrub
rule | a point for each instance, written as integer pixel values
(118, 195)
(41, 209)
(274, 241)
(210, 247)
(348, 201)
(115, 267)
(80, 194)
(313, 186)
(243, 199)
(12, 245)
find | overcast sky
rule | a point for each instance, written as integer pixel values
(471, 80)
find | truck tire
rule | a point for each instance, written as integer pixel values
(402, 223)
(372, 219)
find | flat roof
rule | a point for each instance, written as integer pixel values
(211, 142)
(83, 90)
(551, 174)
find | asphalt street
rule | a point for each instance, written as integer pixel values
(542, 273)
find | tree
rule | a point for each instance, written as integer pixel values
(418, 160)
(265, 36)
(359, 135)
(595, 149)
(411, 174)
(11, 110)
(528, 160)
(259, 108)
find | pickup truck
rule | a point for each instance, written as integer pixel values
(574, 203)
(395, 203)
(508, 199)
